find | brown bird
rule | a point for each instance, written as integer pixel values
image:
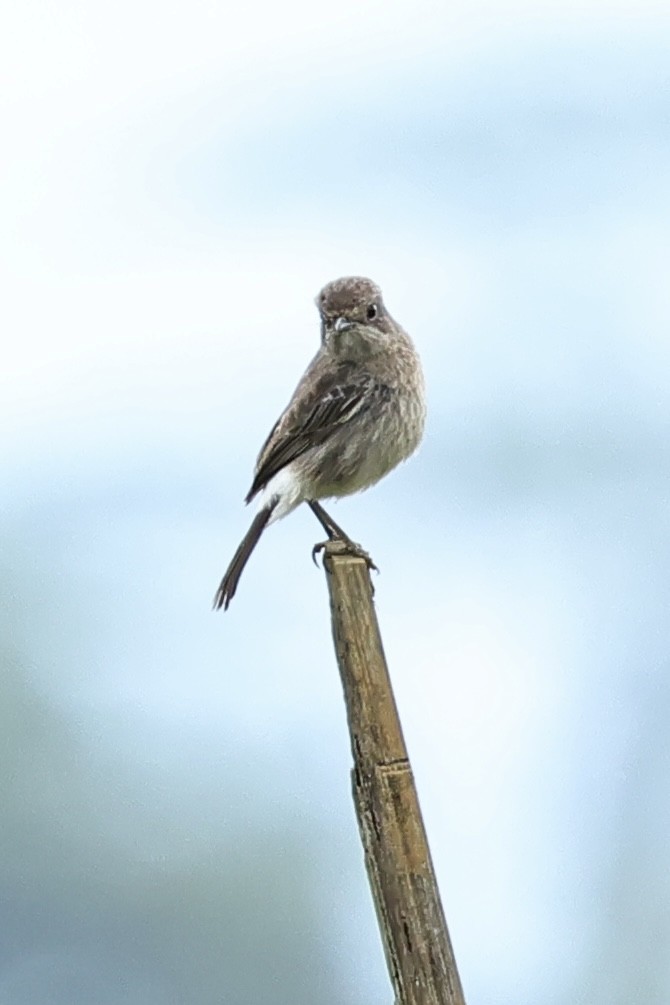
(358, 411)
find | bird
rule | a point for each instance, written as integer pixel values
(357, 412)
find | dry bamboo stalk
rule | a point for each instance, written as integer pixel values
(418, 949)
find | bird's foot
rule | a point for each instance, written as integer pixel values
(342, 546)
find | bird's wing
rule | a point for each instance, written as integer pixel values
(314, 413)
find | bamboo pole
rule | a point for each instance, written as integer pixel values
(416, 940)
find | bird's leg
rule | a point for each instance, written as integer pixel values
(335, 533)
(332, 529)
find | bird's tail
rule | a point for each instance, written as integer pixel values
(226, 590)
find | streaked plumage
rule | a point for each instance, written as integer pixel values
(358, 411)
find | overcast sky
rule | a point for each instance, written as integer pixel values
(177, 184)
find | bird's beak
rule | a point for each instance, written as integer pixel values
(341, 324)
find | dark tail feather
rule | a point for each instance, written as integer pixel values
(226, 590)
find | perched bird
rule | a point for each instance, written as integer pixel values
(358, 411)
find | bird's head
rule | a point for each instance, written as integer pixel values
(352, 311)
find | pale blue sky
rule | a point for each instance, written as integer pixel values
(177, 185)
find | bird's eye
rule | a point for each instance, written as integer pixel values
(372, 312)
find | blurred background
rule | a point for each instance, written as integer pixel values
(178, 182)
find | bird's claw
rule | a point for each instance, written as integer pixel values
(340, 546)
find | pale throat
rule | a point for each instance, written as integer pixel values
(357, 343)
